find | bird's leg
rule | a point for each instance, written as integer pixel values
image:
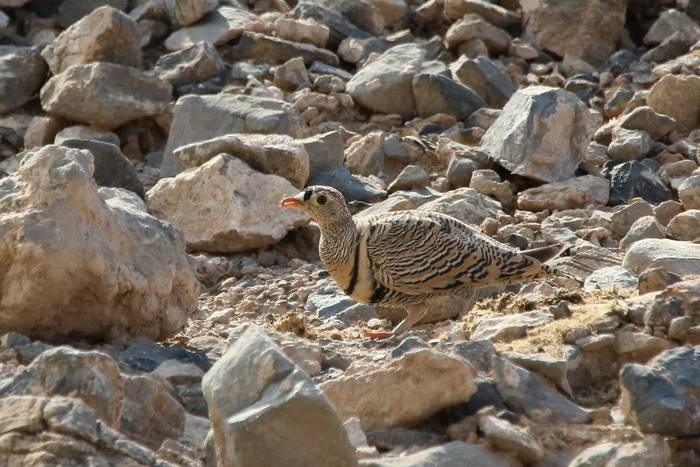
(414, 313)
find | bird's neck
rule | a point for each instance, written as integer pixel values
(338, 241)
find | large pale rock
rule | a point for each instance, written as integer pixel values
(84, 92)
(682, 258)
(359, 12)
(199, 118)
(465, 204)
(677, 96)
(587, 30)
(689, 192)
(23, 71)
(686, 225)
(271, 154)
(579, 192)
(128, 276)
(217, 27)
(663, 396)
(454, 454)
(383, 396)
(265, 411)
(386, 84)
(542, 133)
(105, 35)
(224, 206)
(628, 145)
(652, 451)
(92, 377)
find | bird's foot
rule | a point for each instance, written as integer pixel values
(372, 334)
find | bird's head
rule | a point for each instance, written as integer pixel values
(323, 204)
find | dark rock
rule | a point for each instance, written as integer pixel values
(409, 343)
(112, 168)
(353, 187)
(634, 179)
(71, 11)
(436, 94)
(359, 12)
(673, 46)
(339, 26)
(23, 71)
(395, 438)
(476, 352)
(485, 78)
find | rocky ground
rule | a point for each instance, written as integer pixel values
(158, 308)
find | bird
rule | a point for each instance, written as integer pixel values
(401, 259)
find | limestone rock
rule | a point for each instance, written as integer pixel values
(412, 176)
(669, 22)
(677, 96)
(612, 277)
(685, 226)
(224, 206)
(266, 411)
(271, 154)
(83, 92)
(105, 35)
(365, 156)
(494, 14)
(52, 200)
(292, 75)
(199, 118)
(644, 118)
(542, 133)
(579, 192)
(682, 258)
(639, 347)
(23, 72)
(441, 380)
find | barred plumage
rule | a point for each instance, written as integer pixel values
(403, 258)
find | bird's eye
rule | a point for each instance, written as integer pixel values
(321, 199)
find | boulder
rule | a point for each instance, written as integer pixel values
(643, 227)
(271, 154)
(224, 206)
(265, 411)
(86, 132)
(677, 96)
(465, 204)
(191, 65)
(542, 133)
(588, 30)
(411, 177)
(454, 454)
(579, 192)
(635, 179)
(199, 118)
(662, 397)
(23, 72)
(393, 11)
(326, 151)
(386, 84)
(685, 226)
(485, 78)
(216, 27)
(353, 187)
(383, 395)
(682, 258)
(652, 451)
(128, 276)
(83, 92)
(689, 192)
(270, 49)
(435, 94)
(105, 35)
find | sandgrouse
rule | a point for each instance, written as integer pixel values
(400, 259)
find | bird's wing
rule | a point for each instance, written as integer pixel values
(423, 253)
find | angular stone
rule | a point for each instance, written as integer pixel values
(184, 13)
(454, 454)
(634, 179)
(70, 11)
(587, 30)
(292, 75)
(393, 11)
(465, 204)
(657, 125)
(579, 192)
(199, 118)
(505, 328)
(682, 258)
(42, 131)
(639, 347)
(353, 187)
(105, 35)
(339, 27)
(365, 156)
(685, 226)
(441, 379)
(271, 154)
(652, 451)
(669, 22)
(435, 94)
(412, 176)
(494, 14)
(662, 397)
(23, 72)
(200, 202)
(190, 65)
(484, 77)
(542, 133)
(359, 12)
(307, 31)
(628, 145)
(510, 438)
(21, 413)
(473, 26)
(83, 92)
(271, 395)
(125, 243)
(644, 227)
(677, 96)
(326, 151)
(217, 27)
(86, 132)
(612, 277)
(689, 192)
(269, 49)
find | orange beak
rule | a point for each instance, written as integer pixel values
(291, 203)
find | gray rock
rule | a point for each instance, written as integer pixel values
(472, 26)
(682, 258)
(579, 192)
(644, 118)
(494, 14)
(270, 395)
(217, 27)
(465, 204)
(644, 227)
(528, 393)
(436, 94)
(510, 438)
(365, 155)
(71, 11)
(184, 13)
(689, 192)
(353, 187)
(339, 27)
(484, 77)
(675, 96)
(670, 21)
(83, 92)
(454, 454)
(412, 176)
(613, 277)
(199, 118)
(326, 151)
(652, 451)
(292, 75)
(628, 145)
(340, 306)
(639, 347)
(386, 84)
(505, 328)
(361, 13)
(269, 49)
(634, 179)
(193, 64)
(477, 352)
(685, 226)
(86, 132)
(23, 72)
(542, 134)
(662, 397)
(460, 170)
(112, 168)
